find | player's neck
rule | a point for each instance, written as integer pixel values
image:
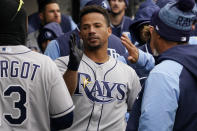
(98, 56)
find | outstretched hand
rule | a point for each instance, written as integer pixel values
(132, 49)
(75, 54)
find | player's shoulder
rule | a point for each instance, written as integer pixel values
(62, 63)
(62, 60)
(123, 68)
(39, 58)
(168, 67)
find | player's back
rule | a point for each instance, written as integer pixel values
(26, 79)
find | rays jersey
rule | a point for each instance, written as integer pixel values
(31, 90)
(104, 94)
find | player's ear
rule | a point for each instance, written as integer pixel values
(151, 28)
(41, 16)
(109, 30)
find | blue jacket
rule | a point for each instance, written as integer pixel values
(133, 122)
(123, 27)
(146, 61)
(60, 46)
(169, 99)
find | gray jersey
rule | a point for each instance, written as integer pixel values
(32, 90)
(32, 41)
(104, 94)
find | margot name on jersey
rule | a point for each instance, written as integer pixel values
(16, 69)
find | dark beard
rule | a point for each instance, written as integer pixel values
(115, 14)
(93, 48)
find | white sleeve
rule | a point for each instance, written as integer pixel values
(135, 88)
(62, 63)
(60, 102)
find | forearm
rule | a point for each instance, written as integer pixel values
(70, 78)
(71, 74)
(145, 61)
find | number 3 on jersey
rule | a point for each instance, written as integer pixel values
(18, 105)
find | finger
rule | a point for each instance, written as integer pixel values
(127, 40)
(74, 39)
(127, 45)
(132, 59)
(80, 45)
(124, 37)
(71, 42)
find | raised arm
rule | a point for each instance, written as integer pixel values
(70, 76)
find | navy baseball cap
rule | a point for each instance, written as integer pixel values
(49, 32)
(162, 3)
(102, 3)
(142, 17)
(46, 35)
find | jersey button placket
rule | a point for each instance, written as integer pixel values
(98, 106)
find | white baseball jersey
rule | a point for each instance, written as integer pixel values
(105, 92)
(32, 90)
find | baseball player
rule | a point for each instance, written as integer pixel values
(32, 91)
(103, 89)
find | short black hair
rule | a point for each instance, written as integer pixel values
(42, 4)
(93, 9)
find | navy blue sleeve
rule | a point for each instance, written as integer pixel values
(62, 122)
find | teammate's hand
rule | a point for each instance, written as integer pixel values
(132, 49)
(75, 54)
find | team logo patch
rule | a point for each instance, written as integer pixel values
(100, 91)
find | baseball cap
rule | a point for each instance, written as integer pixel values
(13, 28)
(46, 35)
(143, 16)
(173, 22)
(162, 3)
(49, 32)
(102, 3)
